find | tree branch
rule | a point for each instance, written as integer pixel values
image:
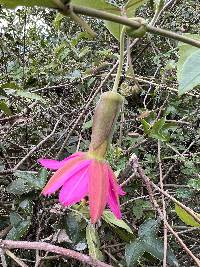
(134, 24)
(10, 244)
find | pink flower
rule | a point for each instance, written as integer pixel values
(83, 175)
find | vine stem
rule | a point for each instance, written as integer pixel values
(10, 244)
(121, 60)
(134, 24)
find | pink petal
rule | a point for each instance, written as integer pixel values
(121, 192)
(56, 164)
(75, 188)
(114, 190)
(70, 168)
(98, 189)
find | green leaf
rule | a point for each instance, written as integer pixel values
(29, 95)
(185, 51)
(4, 107)
(42, 178)
(133, 252)
(87, 125)
(130, 9)
(31, 3)
(93, 242)
(148, 241)
(186, 217)
(26, 206)
(132, 5)
(15, 219)
(19, 231)
(97, 4)
(190, 73)
(19, 187)
(155, 247)
(109, 217)
(57, 20)
(146, 126)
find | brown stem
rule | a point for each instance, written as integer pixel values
(10, 244)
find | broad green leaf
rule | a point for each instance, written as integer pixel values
(4, 107)
(130, 9)
(133, 252)
(26, 206)
(97, 4)
(31, 3)
(146, 126)
(111, 219)
(19, 187)
(42, 178)
(148, 241)
(132, 5)
(190, 73)
(186, 217)
(148, 228)
(19, 231)
(15, 219)
(185, 51)
(29, 95)
(155, 247)
(87, 125)
(93, 242)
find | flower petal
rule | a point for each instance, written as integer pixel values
(56, 164)
(75, 188)
(70, 168)
(114, 190)
(98, 189)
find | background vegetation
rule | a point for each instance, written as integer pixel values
(52, 74)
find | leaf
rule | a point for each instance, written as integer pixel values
(4, 107)
(87, 125)
(97, 4)
(130, 9)
(185, 51)
(58, 20)
(93, 242)
(155, 247)
(148, 241)
(26, 206)
(186, 217)
(42, 178)
(31, 3)
(15, 219)
(17, 232)
(146, 126)
(132, 5)
(109, 217)
(190, 73)
(133, 252)
(19, 187)
(29, 95)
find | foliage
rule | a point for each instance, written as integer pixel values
(50, 69)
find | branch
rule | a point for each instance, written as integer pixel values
(134, 24)
(10, 244)
(155, 204)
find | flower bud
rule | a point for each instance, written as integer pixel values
(104, 120)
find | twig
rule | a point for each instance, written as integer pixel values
(3, 258)
(37, 146)
(10, 244)
(191, 212)
(16, 259)
(132, 23)
(163, 206)
(148, 183)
